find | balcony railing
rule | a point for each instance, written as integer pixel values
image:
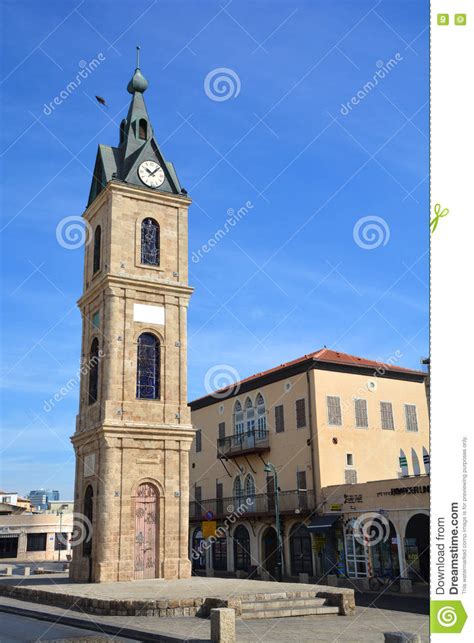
(243, 443)
(290, 502)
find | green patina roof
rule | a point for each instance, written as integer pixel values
(121, 163)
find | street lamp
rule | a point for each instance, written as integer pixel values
(60, 512)
(270, 468)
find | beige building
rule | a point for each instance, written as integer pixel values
(35, 537)
(133, 431)
(326, 419)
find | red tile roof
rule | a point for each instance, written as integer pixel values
(325, 356)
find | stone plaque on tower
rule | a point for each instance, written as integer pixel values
(133, 431)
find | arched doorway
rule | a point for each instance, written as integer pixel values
(198, 554)
(270, 551)
(146, 521)
(242, 557)
(382, 543)
(417, 543)
(300, 550)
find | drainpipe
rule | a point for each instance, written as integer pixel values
(312, 432)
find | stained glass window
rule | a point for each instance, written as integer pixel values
(148, 367)
(150, 242)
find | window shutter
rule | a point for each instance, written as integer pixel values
(386, 413)
(350, 476)
(198, 441)
(301, 480)
(410, 417)
(334, 410)
(300, 413)
(198, 495)
(362, 420)
(221, 430)
(279, 419)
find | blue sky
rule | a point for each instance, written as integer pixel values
(290, 277)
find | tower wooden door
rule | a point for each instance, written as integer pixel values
(146, 523)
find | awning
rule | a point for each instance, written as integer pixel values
(323, 523)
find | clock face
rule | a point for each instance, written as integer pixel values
(151, 174)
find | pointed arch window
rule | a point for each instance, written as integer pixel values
(150, 246)
(142, 129)
(238, 490)
(97, 249)
(249, 417)
(88, 522)
(249, 487)
(261, 417)
(123, 125)
(148, 367)
(93, 371)
(238, 419)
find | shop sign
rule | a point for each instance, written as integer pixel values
(337, 507)
(209, 528)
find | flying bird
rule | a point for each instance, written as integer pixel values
(101, 100)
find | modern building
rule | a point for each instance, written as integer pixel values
(39, 498)
(327, 419)
(133, 431)
(60, 506)
(35, 537)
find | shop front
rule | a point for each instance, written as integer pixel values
(376, 529)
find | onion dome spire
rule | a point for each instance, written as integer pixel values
(138, 82)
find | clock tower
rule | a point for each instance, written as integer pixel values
(133, 431)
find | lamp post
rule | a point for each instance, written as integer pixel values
(270, 468)
(60, 512)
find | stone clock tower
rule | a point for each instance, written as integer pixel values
(133, 431)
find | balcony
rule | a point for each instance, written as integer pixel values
(291, 502)
(243, 444)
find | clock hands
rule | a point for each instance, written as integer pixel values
(155, 171)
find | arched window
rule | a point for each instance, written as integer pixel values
(198, 554)
(261, 417)
(249, 487)
(93, 366)
(97, 243)
(238, 490)
(150, 242)
(142, 129)
(123, 124)
(426, 460)
(87, 523)
(148, 367)
(238, 419)
(415, 463)
(241, 548)
(249, 417)
(403, 462)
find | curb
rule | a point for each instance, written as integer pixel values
(104, 628)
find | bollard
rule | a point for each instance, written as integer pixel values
(26, 571)
(7, 570)
(401, 637)
(304, 578)
(223, 625)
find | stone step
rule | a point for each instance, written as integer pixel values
(282, 604)
(295, 611)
